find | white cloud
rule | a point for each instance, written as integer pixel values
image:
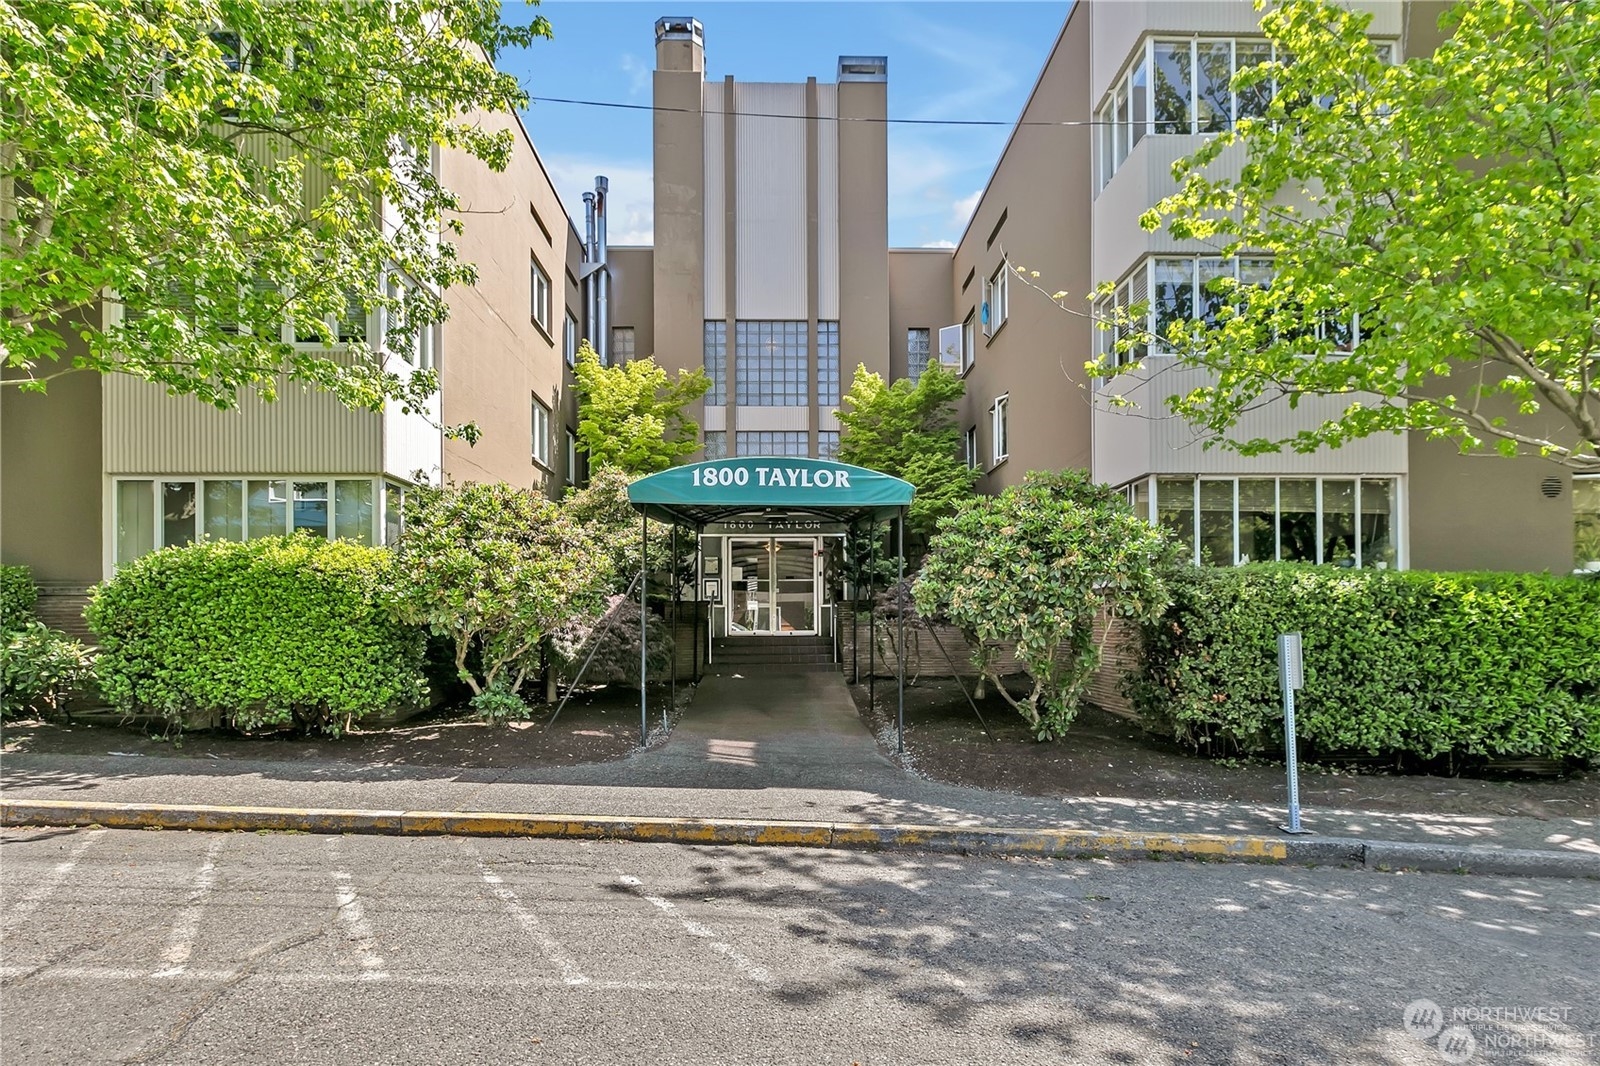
(939, 244)
(961, 210)
(638, 72)
(630, 205)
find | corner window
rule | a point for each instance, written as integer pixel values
(1346, 522)
(541, 433)
(1001, 439)
(539, 295)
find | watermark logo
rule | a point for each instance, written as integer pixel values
(1517, 1029)
(1423, 1019)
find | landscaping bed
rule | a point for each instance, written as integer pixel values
(1104, 755)
(596, 726)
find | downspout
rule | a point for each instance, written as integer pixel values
(602, 343)
(590, 314)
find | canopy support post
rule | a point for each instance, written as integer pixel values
(644, 620)
(677, 595)
(900, 651)
(855, 604)
(699, 592)
(872, 617)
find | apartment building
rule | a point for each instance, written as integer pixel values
(103, 469)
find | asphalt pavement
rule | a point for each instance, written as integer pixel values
(146, 947)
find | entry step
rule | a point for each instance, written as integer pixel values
(773, 651)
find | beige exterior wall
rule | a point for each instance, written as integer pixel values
(51, 478)
(864, 226)
(679, 188)
(494, 358)
(919, 298)
(1042, 190)
(633, 295)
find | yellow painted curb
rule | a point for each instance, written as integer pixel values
(960, 839)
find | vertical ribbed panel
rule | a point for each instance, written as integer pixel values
(715, 203)
(770, 198)
(148, 432)
(827, 201)
(1151, 440)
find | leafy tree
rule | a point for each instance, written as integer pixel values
(910, 430)
(1035, 567)
(601, 509)
(219, 182)
(496, 569)
(631, 416)
(1451, 201)
(612, 639)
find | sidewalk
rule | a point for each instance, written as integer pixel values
(759, 749)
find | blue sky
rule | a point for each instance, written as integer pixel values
(947, 60)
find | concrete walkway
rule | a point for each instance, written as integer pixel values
(769, 746)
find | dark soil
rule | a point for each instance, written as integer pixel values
(1106, 755)
(595, 727)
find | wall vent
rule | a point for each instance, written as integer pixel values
(1551, 487)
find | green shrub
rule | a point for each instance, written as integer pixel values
(271, 632)
(18, 594)
(1425, 666)
(612, 639)
(40, 670)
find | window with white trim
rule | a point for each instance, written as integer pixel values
(541, 432)
(569, 339)
(154, 513)
(1340, 521)
(1000, 435)
(996, 298)
(572, 458)
(538, 294)
(1586, 522)
(971, 441)
(969, 342)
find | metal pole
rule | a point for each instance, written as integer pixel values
(644, 618)
(855, 605)
(594, 646)
(900, 652)
(955, 673)
(699, 579)
(677, 591)
(1291, 676)
(872, 618)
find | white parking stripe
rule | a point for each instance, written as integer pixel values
(180, 942)
(55, 878)
(529, 922)
(36, 974)
(354, 917)
(740, 960)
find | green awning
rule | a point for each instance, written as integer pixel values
(712, 491)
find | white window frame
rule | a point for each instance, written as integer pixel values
(1000, 430)
(539, 417)
(1397, 512)
(969, 342)
(1579, 565)
(970, 439)
(997, 298)
(569, 339)
(572, 458)
(539, 294)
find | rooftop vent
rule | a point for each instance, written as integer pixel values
(680, 29)
(863, 68)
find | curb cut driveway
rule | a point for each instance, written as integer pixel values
(1039, 843)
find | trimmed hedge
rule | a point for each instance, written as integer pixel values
(270, 632)
(1438, 667)
(18, 594)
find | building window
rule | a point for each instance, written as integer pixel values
(827, 443)
(972, 447)
(1586, 522)
(1186, 289)
(394, 500)
(772, 359)
(1001, 440)
(541, 433)
(621, 345)
(1347, 522)
(996, 293)
(166, 512)
(969, 345)
(772, 442)
(916, 353)
(572, 458)
(569, 339)
(716, 361)
(413, 344)
(828, 364)
(716, 444)
(1185, 87)
(539, 295)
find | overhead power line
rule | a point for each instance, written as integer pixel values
(825, 118)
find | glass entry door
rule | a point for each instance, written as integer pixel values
(772, 585)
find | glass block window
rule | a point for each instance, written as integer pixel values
(916, 353)
(621, 346)
(772, 359)
(828, 364)
(716, 357)
(772, 442)
(827, 443)
(716, 444)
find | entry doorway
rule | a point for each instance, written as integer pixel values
(774, 585)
